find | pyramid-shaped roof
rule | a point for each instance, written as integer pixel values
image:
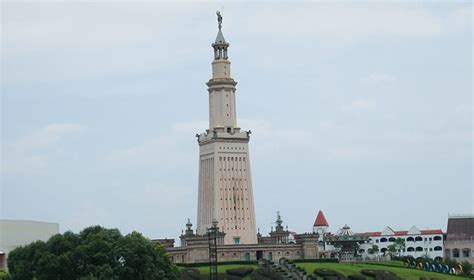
(320, 220)
(220, 38)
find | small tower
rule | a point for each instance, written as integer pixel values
(278, 222)
(320, 225)
(280, 235)
(189, 230)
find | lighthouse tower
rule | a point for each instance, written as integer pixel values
(225, 181)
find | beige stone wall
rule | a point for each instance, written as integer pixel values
(228, 253)
(461, 246)
(225, 188)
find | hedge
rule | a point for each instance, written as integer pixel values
(219, 263)
(315, 261)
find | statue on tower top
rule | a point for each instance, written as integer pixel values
(219, 19)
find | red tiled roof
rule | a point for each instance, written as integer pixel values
(431, 231)
(401, 232)
(320, 220)
(374, 233)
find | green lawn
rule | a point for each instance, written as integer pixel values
(405, 273)
(348, 268)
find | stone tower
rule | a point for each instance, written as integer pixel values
(225, 181)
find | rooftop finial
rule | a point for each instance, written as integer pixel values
(219, 19)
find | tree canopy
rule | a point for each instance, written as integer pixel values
(94, 253)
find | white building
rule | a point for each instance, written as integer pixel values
(418, 243)
(15, 233)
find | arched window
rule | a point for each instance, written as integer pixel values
(391, 239)
(419, 249)
(436, 238)
(438, 248)
(418, 238)
(410, 249)
(410, 239)
(383, 239)
(361, 251)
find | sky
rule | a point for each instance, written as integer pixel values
(360, 109)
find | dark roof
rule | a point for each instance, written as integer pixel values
(460, 228)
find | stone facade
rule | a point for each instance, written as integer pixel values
(195, 247)
(225, 182)
(459, 243)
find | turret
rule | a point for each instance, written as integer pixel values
(222, 111)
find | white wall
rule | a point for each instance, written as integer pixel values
(15, 233)
(427, 244)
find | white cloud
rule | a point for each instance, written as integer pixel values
(49, 135)
(378, 79)
(170, 149)
(360, 105)
(69, 41)
(355, 21)
(176, 145)
(29, 155)
(190, 127)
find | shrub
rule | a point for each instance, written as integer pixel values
(325, 273)
(316, 260)
(265, 273)
(466, 268)
(379, 274)
(240, 271)
(191, 274)
(199, 264)
(356, 277)
(4, 275)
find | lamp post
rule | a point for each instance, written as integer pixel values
(212, 234)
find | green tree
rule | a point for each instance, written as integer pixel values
(23, 262)
(374, 250)
(392, 248)
(95, 253)
(59, 258)
(466, 268)
(140, 259)
(400, 245)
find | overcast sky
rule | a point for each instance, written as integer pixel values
(363, 110)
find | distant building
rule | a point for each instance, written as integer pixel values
(459, 243)
(280, 243)
(320, 225)
(418, 243)
(15, 233)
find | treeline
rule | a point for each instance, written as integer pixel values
(94, 253)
